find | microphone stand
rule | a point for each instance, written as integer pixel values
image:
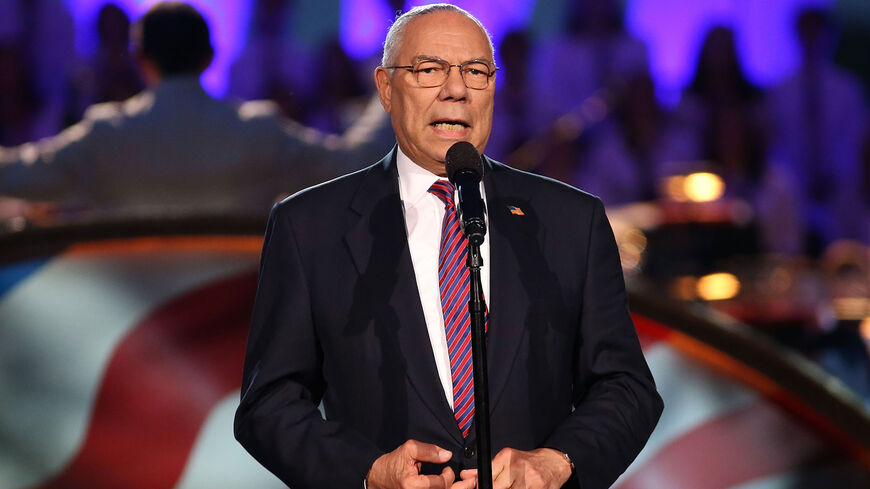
(477, 310)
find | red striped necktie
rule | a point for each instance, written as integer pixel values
(453, 280)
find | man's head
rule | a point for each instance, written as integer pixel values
(172, 38)
(427, 120)
(815, 32)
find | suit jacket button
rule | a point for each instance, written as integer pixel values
(468, 452)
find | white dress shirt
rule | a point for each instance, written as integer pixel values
(424, 214)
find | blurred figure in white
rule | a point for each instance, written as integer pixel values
(174, 148)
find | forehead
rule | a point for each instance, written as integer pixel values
(447, 35)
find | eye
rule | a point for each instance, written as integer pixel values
(429, 67)
(476, 69)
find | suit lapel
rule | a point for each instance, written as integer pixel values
(510, 235)
(378, 243)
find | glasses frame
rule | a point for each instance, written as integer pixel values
(412, 69)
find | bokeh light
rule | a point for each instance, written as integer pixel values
(718, 286)
(703, 187)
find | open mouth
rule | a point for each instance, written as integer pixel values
(449, 125)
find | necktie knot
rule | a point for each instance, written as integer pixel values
(443, 189)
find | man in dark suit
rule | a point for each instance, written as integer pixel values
(350, 308)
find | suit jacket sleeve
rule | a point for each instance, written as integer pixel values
(616, 405)
(278, 421)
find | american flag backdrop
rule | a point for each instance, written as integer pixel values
(120, 367)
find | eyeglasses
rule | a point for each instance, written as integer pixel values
(434, 72)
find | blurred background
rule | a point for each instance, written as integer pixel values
(728, 139)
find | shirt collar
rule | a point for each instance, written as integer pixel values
(414, 180)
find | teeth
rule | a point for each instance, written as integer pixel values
(449, 126)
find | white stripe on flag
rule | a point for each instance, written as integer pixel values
(218, 461)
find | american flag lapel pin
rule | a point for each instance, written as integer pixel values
(516, 210)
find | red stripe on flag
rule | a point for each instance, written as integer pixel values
(159, 386)
(756, 441)
(649, 332)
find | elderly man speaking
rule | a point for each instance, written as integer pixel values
(354, 307)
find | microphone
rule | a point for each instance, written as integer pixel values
(464, 170)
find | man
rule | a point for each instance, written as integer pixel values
(174, 148)
(348, 285)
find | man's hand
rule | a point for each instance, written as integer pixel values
(400, 469)
(543, 468)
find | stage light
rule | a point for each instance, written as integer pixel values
(718, 286)
(703, 187)
(674, 188)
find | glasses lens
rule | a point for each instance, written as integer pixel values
(431, 73)
(476, 75)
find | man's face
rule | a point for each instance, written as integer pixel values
(427, 121)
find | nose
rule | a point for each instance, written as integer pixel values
(454, 88)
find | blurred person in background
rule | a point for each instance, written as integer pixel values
(342, 95)
(595, 53)
(511, 126)
(612, 147)
(625, 150)
(578, 138)
(41, 33)
(819, 120)
(273, 65)
(174, 148)
(720, 117)
(112, 75)
(20, 100)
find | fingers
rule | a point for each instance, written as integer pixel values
(501, 474)
(469, 480)
(426, 452)
(502, 480)
(419, 481)
(470, 483)
(445, 481)
(448, 475)
(427, 482)
(401, 467)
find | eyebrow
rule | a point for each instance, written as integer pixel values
(427, 57)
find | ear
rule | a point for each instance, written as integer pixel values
(206, 62)
(148, 69)
(385, 88)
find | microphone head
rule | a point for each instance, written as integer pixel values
(463, 157)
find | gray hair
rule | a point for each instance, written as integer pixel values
(394, 35)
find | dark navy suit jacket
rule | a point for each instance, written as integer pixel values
(338, 318)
